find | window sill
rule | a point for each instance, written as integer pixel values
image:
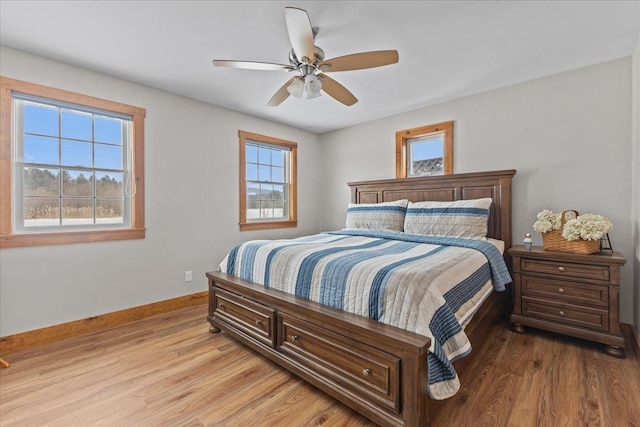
(265, 225)
(68, 237)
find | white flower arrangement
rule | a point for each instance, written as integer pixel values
(585, 227)
(547, 221)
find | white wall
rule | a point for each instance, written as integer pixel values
(191, 176)
(568, 135)
(636, 185)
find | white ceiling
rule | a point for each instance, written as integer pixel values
(447, 49)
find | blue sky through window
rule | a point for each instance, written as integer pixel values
(60, 136)
(428, 149)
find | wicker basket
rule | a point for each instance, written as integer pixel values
(553, 240)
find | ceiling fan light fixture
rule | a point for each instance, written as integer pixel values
(312, 86)
(296, 88)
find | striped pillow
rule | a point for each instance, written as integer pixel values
(377, 216)
(461, 218)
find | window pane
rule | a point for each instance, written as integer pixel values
(252, 172)
(109, 211)
(76, 153)
(109, 184)
(41, 211)
(277, 174)
(266, 209)
(77, 211)
(77, 125)
(40, 149)
(77, 183)
(253, 190)
(277, 157)
(278, 208)
(278, 192)
(264, 173)
(253, 209)
(251, 153)
(266, 191)
(426, 156)
(108, 130)
(40, 119)
(108, 156)
(41, 182)
(264, 156)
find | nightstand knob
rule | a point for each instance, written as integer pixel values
(366, 372)
(258, 322)
(561, 268)
(561, 313)
(560, 290)
(294, 338)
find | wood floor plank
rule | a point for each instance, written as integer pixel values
(168, 370)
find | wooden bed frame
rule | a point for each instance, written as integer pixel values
(378, 370)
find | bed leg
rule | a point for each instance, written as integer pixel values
(214, 330)
(518, 328)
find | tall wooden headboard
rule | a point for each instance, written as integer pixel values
(495, 184)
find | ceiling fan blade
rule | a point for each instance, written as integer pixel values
(360, 61)
(300, 32)
(337, 91)
(251, 65)
(281, 94)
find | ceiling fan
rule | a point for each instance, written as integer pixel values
(308, 60)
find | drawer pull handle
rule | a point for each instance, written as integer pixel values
(561, 268)
(294, 338)
(366, 372)
(258, 322)
(561, 313)
(561, 290)
(221, 305)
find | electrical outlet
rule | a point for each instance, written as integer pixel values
(188, 276)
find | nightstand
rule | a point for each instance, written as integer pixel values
(568, 293)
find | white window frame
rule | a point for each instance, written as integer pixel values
(20, 164)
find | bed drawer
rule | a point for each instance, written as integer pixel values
(560, 268)
(363, 370)
(563, 291)
(568, 314)
(255, 319)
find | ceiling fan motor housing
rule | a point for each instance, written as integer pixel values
(307, 67)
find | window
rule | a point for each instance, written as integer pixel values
(427, 150)
(72, 167)
(267, 182)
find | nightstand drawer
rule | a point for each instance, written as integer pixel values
(568, 314)
(560, 268)
(563, 291)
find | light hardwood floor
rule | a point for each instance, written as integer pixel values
(168, 370)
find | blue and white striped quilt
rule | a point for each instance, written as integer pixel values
(427, 285)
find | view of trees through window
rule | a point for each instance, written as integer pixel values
(73, 166)
(42, 201)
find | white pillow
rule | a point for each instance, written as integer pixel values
(377, 216)
(461, 218)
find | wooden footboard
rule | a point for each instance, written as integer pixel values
(378, 370)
